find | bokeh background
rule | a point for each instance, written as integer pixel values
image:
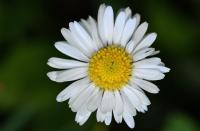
(28, 30)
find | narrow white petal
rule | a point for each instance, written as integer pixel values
(143, 98)
(94, 94)
(60, 63)
(138, 17)
(151, 63)
(76, 93)
(130, 46)
(84, 36)
(80, 44)
(82, 117)
(72, 89)
(143, 53)
(108, 118)
(146, 42)
(140, 31)
(119, 27)
(155, 53)
(128, 114)
(132, 98)
(129, 107)
(119, 103)
(52, 75)
(73, 40)
(145, 85)
(94, 102)
(100, 115)
(137, 36)
(152, 60)
(100, 22)
(163, 69)
(108, 101)
(118, 118)
(128, 31)
(148, 74)
(128, 12)
(66, 34)
(86, 25)
(68, 75)
(108, 23)
(153, 66)
(82, 98)
(94, 32)
(71, 51)
(128, 118)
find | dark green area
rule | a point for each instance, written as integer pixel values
(28, 30)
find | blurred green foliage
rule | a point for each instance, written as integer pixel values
(28, 30)
(180, 122)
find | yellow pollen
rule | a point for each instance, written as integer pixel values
(110, 68)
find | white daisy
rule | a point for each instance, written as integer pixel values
(111, 66)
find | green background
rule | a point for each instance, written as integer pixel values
(28, 30)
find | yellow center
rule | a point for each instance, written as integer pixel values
(110, 68)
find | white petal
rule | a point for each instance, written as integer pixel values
(137, 16)
(72, 89)
(95, 101)
(143, 53)
(60, 63)
(73, 40)
(79, 38)
(128, 31)
(130, 46)
(132, 98)
(153, 66)
(129, 107)
(143, 98)
(68, 75)
(108, 23)
(100, 23)
(119, 27)
(70, 51)
(76, 93)
(119, 103)
(108, 118)
(118, 118)
(163, 69)
(84, 36)
(86, 25)
(155, 53)
(128, 118)
(148, 74)
(145, 85)
(66, 34)
(69, 38)
(100, 115)
(128, 12)
(108, 101)
(128, 113)
(146, 42)
(82, 98)
(137, 36)
(94, 32)
(140, 31)
(152, 60)
(82, 117)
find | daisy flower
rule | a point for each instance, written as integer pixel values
(111, 66)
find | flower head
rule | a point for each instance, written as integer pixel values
(111, 65)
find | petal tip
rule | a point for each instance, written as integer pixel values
(52, 76)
